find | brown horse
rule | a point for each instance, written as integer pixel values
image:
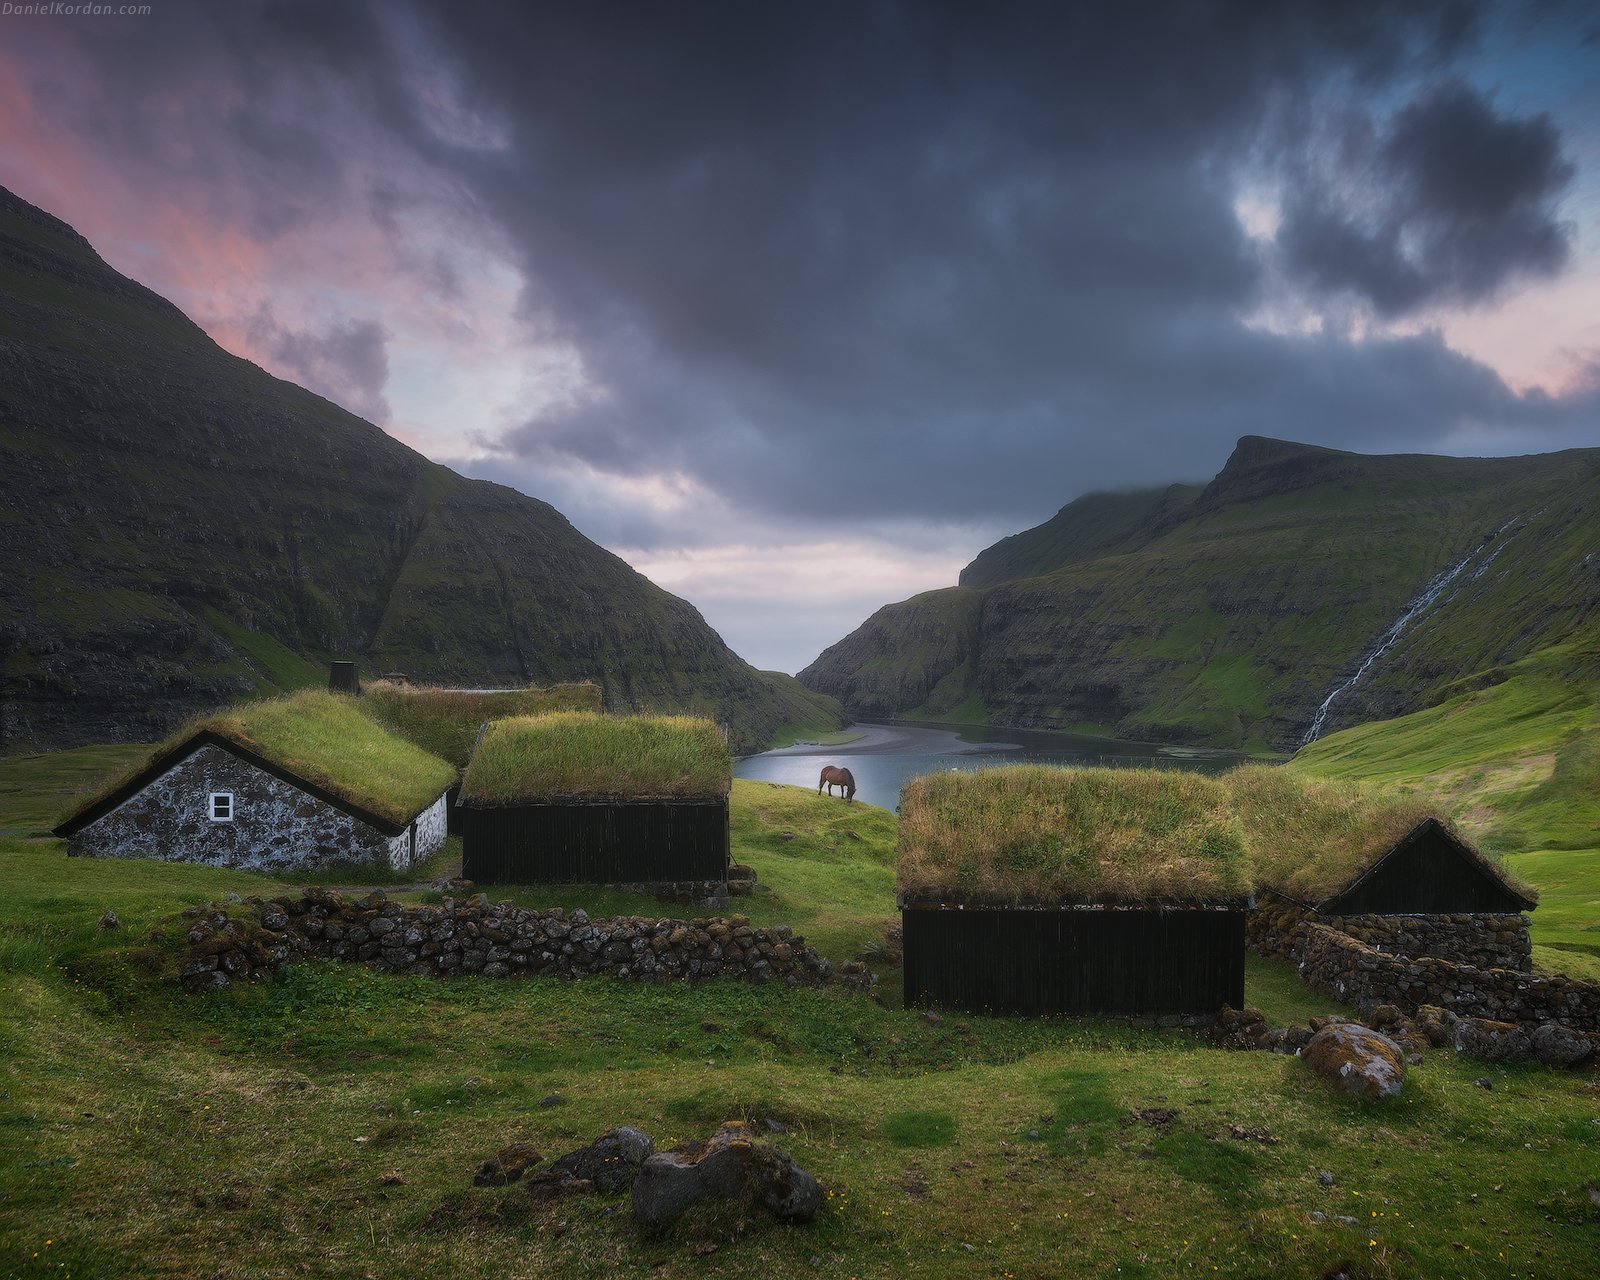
(833, 776)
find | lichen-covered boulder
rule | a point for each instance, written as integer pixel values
(1357, 1060)
(731, 1164)
(506, 1165)
(1434, 1022)
(1559, 1046)
(610, 1162)
(1491, 1041)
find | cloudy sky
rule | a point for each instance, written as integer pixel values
(798, 305)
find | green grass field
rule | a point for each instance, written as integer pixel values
(327, 1123)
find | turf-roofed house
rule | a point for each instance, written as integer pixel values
(292, 784)
(447, 721)
(583, 798)
(1036, 890)
(1391, 873)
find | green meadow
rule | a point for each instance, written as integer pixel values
(327, 1123)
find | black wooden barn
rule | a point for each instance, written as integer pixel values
(1076, 959)
(583, 798)
(1028, 890)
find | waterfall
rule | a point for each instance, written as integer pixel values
(1415, 608)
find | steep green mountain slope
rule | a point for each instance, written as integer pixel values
(179, 528)
(1226, 616)
(1514, 755)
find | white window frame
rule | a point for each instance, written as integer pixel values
(211, 806)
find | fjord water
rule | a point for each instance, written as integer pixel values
(885, 756)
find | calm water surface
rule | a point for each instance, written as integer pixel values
(886, 755)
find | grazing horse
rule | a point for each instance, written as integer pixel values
(834, 776)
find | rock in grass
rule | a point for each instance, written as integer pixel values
(506, 1165)
(1434, 1023)
(1491, 1041)
(731, 1164)
(610, 1162)
(1357, 1060)
(1559, 1046)
(110, 921)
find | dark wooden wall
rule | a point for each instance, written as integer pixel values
(1427, 873)
(595, 843)
(1034, 962)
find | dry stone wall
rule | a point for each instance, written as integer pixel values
(1353, 972)
(255, 937)
(1486, 940)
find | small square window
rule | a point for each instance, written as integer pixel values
(222, 806)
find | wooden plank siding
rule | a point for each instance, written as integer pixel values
(595, 843)
(1429, 872)
(1074, 961)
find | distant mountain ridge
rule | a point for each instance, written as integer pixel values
(178, 527)
(1226, 614)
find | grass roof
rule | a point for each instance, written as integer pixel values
(326, 739)
(1309, 838)
(446, 721)
(1032, 835)
(581, 755)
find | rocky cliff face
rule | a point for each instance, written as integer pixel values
(1226, 615)
(179, 528)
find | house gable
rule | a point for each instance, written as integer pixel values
(1429, 871)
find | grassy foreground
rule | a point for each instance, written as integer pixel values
(328, 1123)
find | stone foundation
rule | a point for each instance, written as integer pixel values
(1486, 940)
(254, 938)
(1349, 970)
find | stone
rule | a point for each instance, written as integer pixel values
(554, 1100)
(110, 921)
(1434, 1023)
(731, 1164)
(610, 1162)
(1559, 1046)
(1483, 1082)
(1356, 1060)
(1325, 1178)
(506, 1165)
(1385, 1015)
(1491, 1041)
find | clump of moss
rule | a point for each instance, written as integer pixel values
(586, 756)
(446, 721)
(1310, 837)
(1035, 835)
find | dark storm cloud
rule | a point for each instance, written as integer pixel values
(345, 360)
(905, 257)
(1451, 204)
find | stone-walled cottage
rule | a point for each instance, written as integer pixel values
(1036, 890)
(292, 784)
(579, 797)
(1391, 874)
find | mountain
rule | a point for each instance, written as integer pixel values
(1227, 614)
(179, 528)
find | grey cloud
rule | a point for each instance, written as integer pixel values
(842, 260)
(345, 360)
(1450, 205)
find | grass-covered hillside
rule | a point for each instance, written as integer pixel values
(182, 530)
(1514, 756)
(328, 1123)
(1225, 615)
